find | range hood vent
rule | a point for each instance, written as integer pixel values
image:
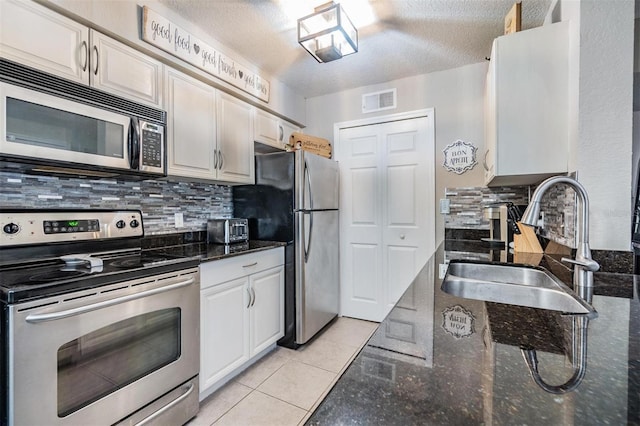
(379, 101)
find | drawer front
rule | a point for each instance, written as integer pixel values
(219, 271)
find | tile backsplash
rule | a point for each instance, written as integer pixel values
(158, 200)
(467, 204)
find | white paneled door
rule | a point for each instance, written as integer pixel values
(387, 211)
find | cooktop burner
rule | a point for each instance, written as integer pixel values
(39, 279)
(39, 259)
(54, 275)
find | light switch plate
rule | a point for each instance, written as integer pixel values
(179, 220)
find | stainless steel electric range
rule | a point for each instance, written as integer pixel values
(94, 329)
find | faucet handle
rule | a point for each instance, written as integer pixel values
(587, 264)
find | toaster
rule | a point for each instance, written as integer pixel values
(227, 231)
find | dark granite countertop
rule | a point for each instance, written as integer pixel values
(440, 359)
(207, 252)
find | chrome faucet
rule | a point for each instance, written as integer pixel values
(584, 264)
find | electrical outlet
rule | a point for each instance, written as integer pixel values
(443, 270)
(541, 221)
(179, 220)
(444, 206)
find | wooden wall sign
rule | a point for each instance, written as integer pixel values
(313, 144)
(164, 34)
(459, 157)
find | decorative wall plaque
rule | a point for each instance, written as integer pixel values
(458, 322)
(166, 35)
(459, 157)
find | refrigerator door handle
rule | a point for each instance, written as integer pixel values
(307, 246)
(307, 185)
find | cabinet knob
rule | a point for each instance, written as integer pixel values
(402, 236)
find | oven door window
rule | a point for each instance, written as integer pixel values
(103, 361)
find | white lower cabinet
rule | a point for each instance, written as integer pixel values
(224, 330)
(241, 313)
(267, 310)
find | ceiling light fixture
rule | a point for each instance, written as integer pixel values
(328, 34)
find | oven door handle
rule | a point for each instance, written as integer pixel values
(166, 407)
(36, 318)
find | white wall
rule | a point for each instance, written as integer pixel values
(601, 90)
(457, 96)
(122, 19)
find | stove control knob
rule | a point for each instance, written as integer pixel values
(11, 228)
(120, 224)
(134, 223)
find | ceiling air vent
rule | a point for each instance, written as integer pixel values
(379, 101)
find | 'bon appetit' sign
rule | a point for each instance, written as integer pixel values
(166, 35)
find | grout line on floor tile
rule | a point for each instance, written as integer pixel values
(280, 399)
(325, 392)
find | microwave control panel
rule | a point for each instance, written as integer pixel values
(151, 145)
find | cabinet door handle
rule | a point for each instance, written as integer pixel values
(250, 298)
(215, 159)
(253, 291)
(85, 49)
(250, 265)
(221, 159)
(95, 49)
(484, 162)
(280, 133)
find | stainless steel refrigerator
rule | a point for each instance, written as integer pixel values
(295, 200)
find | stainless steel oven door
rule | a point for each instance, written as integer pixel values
(96, 356)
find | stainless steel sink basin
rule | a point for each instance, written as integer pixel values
(519, 285)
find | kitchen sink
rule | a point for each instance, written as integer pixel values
(512, 284)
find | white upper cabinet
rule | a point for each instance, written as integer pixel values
(270, 130)
(123, 71)
(209, 133)
(286, 129)
(526, 106)
(191, 126)
(235, 140)
(38, 37)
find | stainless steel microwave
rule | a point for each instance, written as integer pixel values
(51, 124)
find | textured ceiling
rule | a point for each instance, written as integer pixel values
(410, 37)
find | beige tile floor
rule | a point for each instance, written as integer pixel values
(285, 386)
